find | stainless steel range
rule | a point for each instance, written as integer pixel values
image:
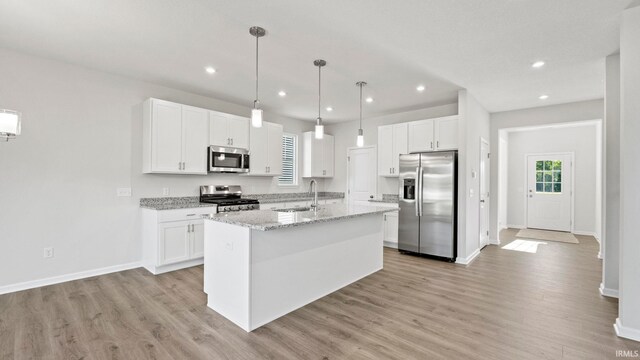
(227, 197)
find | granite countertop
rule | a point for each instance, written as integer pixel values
(288, 197)
(172, 203)
(265, 220)
(386, 198)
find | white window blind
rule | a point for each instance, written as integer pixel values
(289, 171)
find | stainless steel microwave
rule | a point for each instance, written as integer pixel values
(228, 160)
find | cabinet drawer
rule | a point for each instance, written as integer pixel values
(185, 214)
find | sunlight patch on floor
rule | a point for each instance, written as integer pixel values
(530, 246)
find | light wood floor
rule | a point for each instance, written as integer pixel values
(505, 305)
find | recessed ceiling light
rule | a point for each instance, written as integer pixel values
(210, 70)
(543, 97)
(369, 100)
(329, 108)
(420, 88)
(282, 93)
(537, 64)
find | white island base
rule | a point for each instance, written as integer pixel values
(253, 277)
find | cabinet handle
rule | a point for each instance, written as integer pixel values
(231, 141)
(390, 172)
(193, 228)
(188, 228)
(438, 144)
(431, 145)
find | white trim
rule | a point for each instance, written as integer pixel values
(608, 292)
(626, 332)
(69, 277)
(468, 259)
(513, 226)
(494, 241)
(156, 270)
(390, 244)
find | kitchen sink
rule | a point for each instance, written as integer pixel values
(293, 209)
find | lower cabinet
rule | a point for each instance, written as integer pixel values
(391, 229)
(173, 239)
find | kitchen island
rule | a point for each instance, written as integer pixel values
(260, 265)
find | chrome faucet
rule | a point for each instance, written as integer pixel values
(313, 187)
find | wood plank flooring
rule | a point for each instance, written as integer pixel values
(505, 305)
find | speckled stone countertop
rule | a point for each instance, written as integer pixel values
(265, 220)
(172, 203)
(387, 198)
(299, 196)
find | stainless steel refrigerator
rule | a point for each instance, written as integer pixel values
(428, 204)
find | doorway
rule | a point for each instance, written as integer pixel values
(362, 175)
(485, 174)
(549, 191)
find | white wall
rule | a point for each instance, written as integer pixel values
(80, 141)
(578, 111)
(345, 137)
(628, 324)
(611, 238)
(474, 126)
(581, 140)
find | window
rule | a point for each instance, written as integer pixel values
(549, 176)
(289, 161)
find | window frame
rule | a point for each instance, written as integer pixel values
(295, 161)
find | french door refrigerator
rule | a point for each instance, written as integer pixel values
(428, 204)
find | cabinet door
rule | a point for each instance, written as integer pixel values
(421, 136)
(391, 227)
(399, 146)
(385, 150)
(258, 140)
(446, 133)
(219, 129)
(195, 139)
(239, 132)
(274, 148)
(173, 242)
(166, 138)
(328, 157)
(197, 239)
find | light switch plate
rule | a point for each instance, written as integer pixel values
(123, 192)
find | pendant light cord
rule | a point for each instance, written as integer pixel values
(361, 84)
(319, 89)
(255, 103)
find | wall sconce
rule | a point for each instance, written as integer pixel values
(9, 124)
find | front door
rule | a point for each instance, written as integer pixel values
(549, 191)
(362, 175)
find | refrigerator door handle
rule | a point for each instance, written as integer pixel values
(418, 191)
(420, 175)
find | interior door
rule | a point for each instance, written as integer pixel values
(362, 174)
(484, 193)
(195, 127)
(549, 180)
(167, 136)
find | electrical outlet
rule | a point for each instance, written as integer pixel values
(123, 192)
(48, 252)
(165, 191)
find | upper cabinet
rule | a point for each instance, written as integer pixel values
(392, 141)
(228, 130)
(318, 155)
(265, 149)
(175, 138)
(433, 134)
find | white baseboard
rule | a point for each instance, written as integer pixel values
(626, 332)
(494, 242)
(516, 227)
(586, 233)
(599, 255)
(608, 292)
(390, 244)
(156, 270)
(69, 277)
(468, 259)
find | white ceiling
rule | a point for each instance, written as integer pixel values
(486, 47)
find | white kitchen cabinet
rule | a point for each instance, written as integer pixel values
(175, 138)
(318, 155)
(173, 239)
(391, 229)
(392, 141)
(265, 149)
(228, 130)
(433, 134)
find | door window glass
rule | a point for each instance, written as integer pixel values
(549, 176)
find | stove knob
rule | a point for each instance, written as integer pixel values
(243, 207)
(250, 207)
(233, 208)
(222, 209)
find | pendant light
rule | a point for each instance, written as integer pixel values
(360, 138)
(256, 112)
(319, 126)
